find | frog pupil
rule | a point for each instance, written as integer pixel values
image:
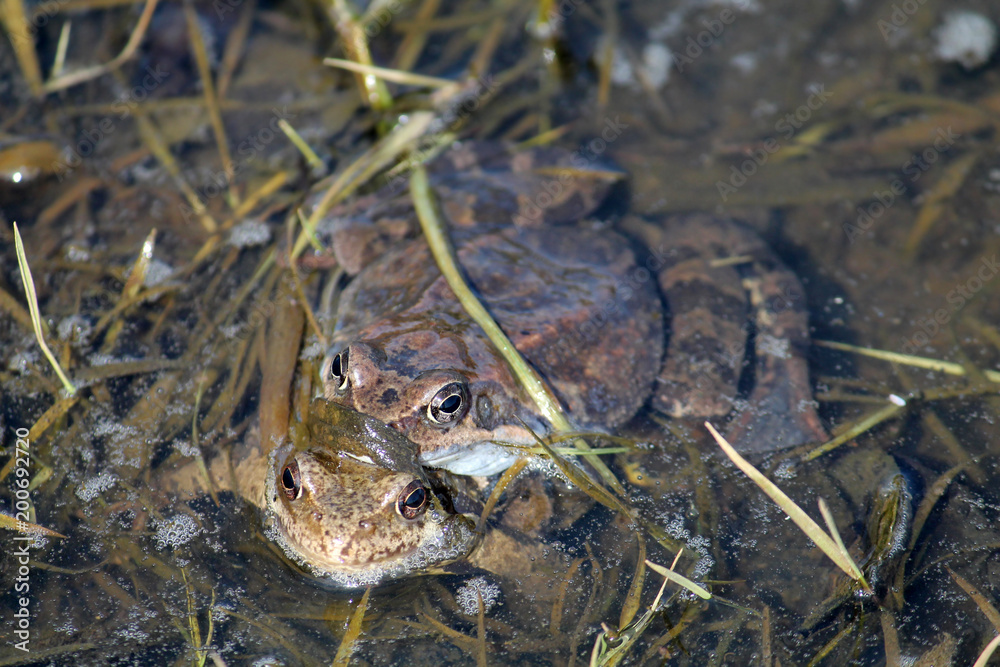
(412, 501)
(415, 499)
(448, 405)
(290, 481)
(338, 370)
(451, 404)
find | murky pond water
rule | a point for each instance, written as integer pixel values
(848, 135)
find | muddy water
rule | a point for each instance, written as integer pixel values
(832, 128)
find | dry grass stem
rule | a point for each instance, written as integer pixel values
(15, 20)
(394, 75)
(347, 644)
(36, 318)
(376, 158)
(833, 548)
(314, 161)
(197, 40)
(948, 367)
(977, 596)
(88, 73)
(935, 200)
(864, 425)
(680, 580)
(987, 653)
(26, 527)
(508, 476)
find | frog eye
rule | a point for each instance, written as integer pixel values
(449, 404)
(291, 482)
(412, 500)
(337, 375)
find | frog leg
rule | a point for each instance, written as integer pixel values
(781, 411)
(530, 563)
(701, 368)
(709, 269)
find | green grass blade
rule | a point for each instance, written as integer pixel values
(444, 255)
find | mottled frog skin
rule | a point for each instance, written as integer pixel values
(341, 493)
(658, 312)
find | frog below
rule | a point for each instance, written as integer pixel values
(349, 510)
(340, 492)
(354, 523)
(585, 305)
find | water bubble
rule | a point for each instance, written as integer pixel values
(94, 486)
(176, 531)
(467, 598)
(250, 233)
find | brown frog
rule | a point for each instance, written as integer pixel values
(339, 491)
(337, 510)
(348, 503)
(611, 320)
(355, 509)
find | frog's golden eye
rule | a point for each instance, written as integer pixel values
(291, 482)
(412, 500)
(449, 404)
(337, 375)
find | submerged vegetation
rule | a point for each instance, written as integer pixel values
(169, 166)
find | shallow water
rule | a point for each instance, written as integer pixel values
(831, 128)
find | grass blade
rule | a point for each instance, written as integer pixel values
(36, 319)
(680, 580)
(26, 527)
(949, 367)
(827, 545)
(444, 255)
(346, 648)
(987, 653)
